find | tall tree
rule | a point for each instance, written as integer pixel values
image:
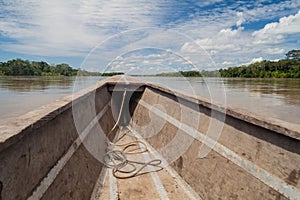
(293, 55)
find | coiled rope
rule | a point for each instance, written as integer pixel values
(116, 158)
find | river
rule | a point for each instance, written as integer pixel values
(269, 98)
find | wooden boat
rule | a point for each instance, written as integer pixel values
(61, 151)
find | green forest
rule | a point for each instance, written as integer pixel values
(181, 73)
(285, 68)
(265, 69)
(19, 67)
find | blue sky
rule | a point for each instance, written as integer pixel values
(124, 34)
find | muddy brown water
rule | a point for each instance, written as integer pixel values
(269, 98)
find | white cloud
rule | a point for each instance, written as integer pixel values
(275, 32)
(207, 3)
(69, 27)
(241, 19)
(239, 46)
(226, 39)
(275, 51)
(227, 63)
(254, 60)
(157, 60)
(270, 11)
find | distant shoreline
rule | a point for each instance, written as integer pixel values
(285, 68)
(19, 67)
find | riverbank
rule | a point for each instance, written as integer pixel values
(264, 69)
(19, 67)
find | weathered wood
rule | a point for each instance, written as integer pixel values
(215, 175)
(32, 144)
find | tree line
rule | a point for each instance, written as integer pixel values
(181, 73)
(265, 69)
(285, 68)
(19, 67)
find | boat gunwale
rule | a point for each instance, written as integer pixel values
(276, 125)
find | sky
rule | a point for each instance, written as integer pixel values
(143, 36)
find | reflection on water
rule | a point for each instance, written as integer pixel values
(270, 98)
(286, 89)
(31, 84)
(19, 95)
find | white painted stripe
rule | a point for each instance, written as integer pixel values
(157, 182)
(113, 187)
(162, 193)
(271, 180)
(50, 177)
(99, 184)
(186, 188)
